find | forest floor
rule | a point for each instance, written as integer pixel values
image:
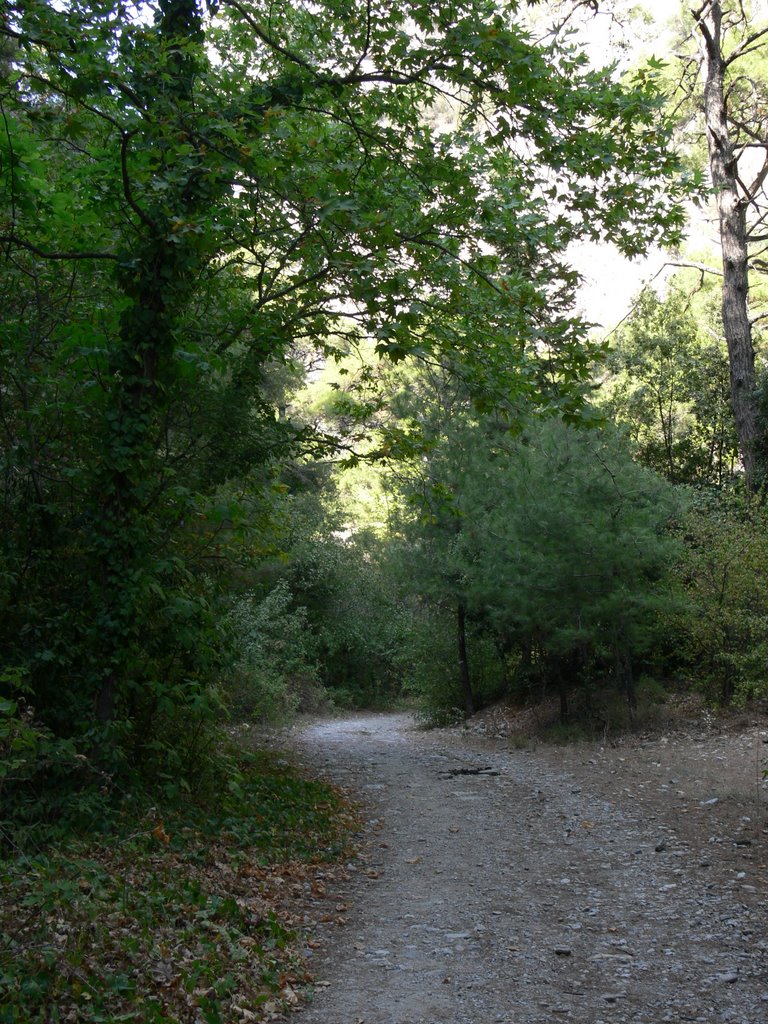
(517, 882)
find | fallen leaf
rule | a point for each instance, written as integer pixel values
(159, 833)
(289, 995)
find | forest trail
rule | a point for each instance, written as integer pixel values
(532, 892)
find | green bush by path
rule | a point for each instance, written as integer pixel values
(721, 634)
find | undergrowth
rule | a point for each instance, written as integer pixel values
(190, 915)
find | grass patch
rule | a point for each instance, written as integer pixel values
(196, 915)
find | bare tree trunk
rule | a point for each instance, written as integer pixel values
(562, 692)
(466, 685)
(731, 208)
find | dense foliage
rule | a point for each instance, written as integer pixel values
(666, 381)
(236, 251)
(552, 543)
(723, 639)
(196, 202)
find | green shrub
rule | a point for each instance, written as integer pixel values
(276, 670)
(356, 609)
(722, 634)
(556, 544)
(48, 788)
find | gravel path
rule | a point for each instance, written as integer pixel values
(529, 886)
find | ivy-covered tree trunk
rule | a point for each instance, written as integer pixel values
(732, 209)
(156, 276)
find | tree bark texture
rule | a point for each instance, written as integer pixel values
(731, 208)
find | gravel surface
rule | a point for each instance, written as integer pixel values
(594, 884)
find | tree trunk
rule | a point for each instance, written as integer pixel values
(562, 692)
(666, 433)
(155, 278)
(105, 700)
(731, 210)
(466, 685)
(626, 675)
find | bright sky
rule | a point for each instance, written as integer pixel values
(610, 281)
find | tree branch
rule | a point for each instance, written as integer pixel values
(690, 264)
(127, 191)
(759, 179)
(431, 243)
(745, 47)
(13, 239)
(703, 268)
(265, 37)
(698, 17)
(354, 77)
(367, 44)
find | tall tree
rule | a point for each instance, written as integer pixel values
(733, 104)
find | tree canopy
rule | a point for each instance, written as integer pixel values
(195, 196)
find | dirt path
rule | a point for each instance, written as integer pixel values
(590, 886)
